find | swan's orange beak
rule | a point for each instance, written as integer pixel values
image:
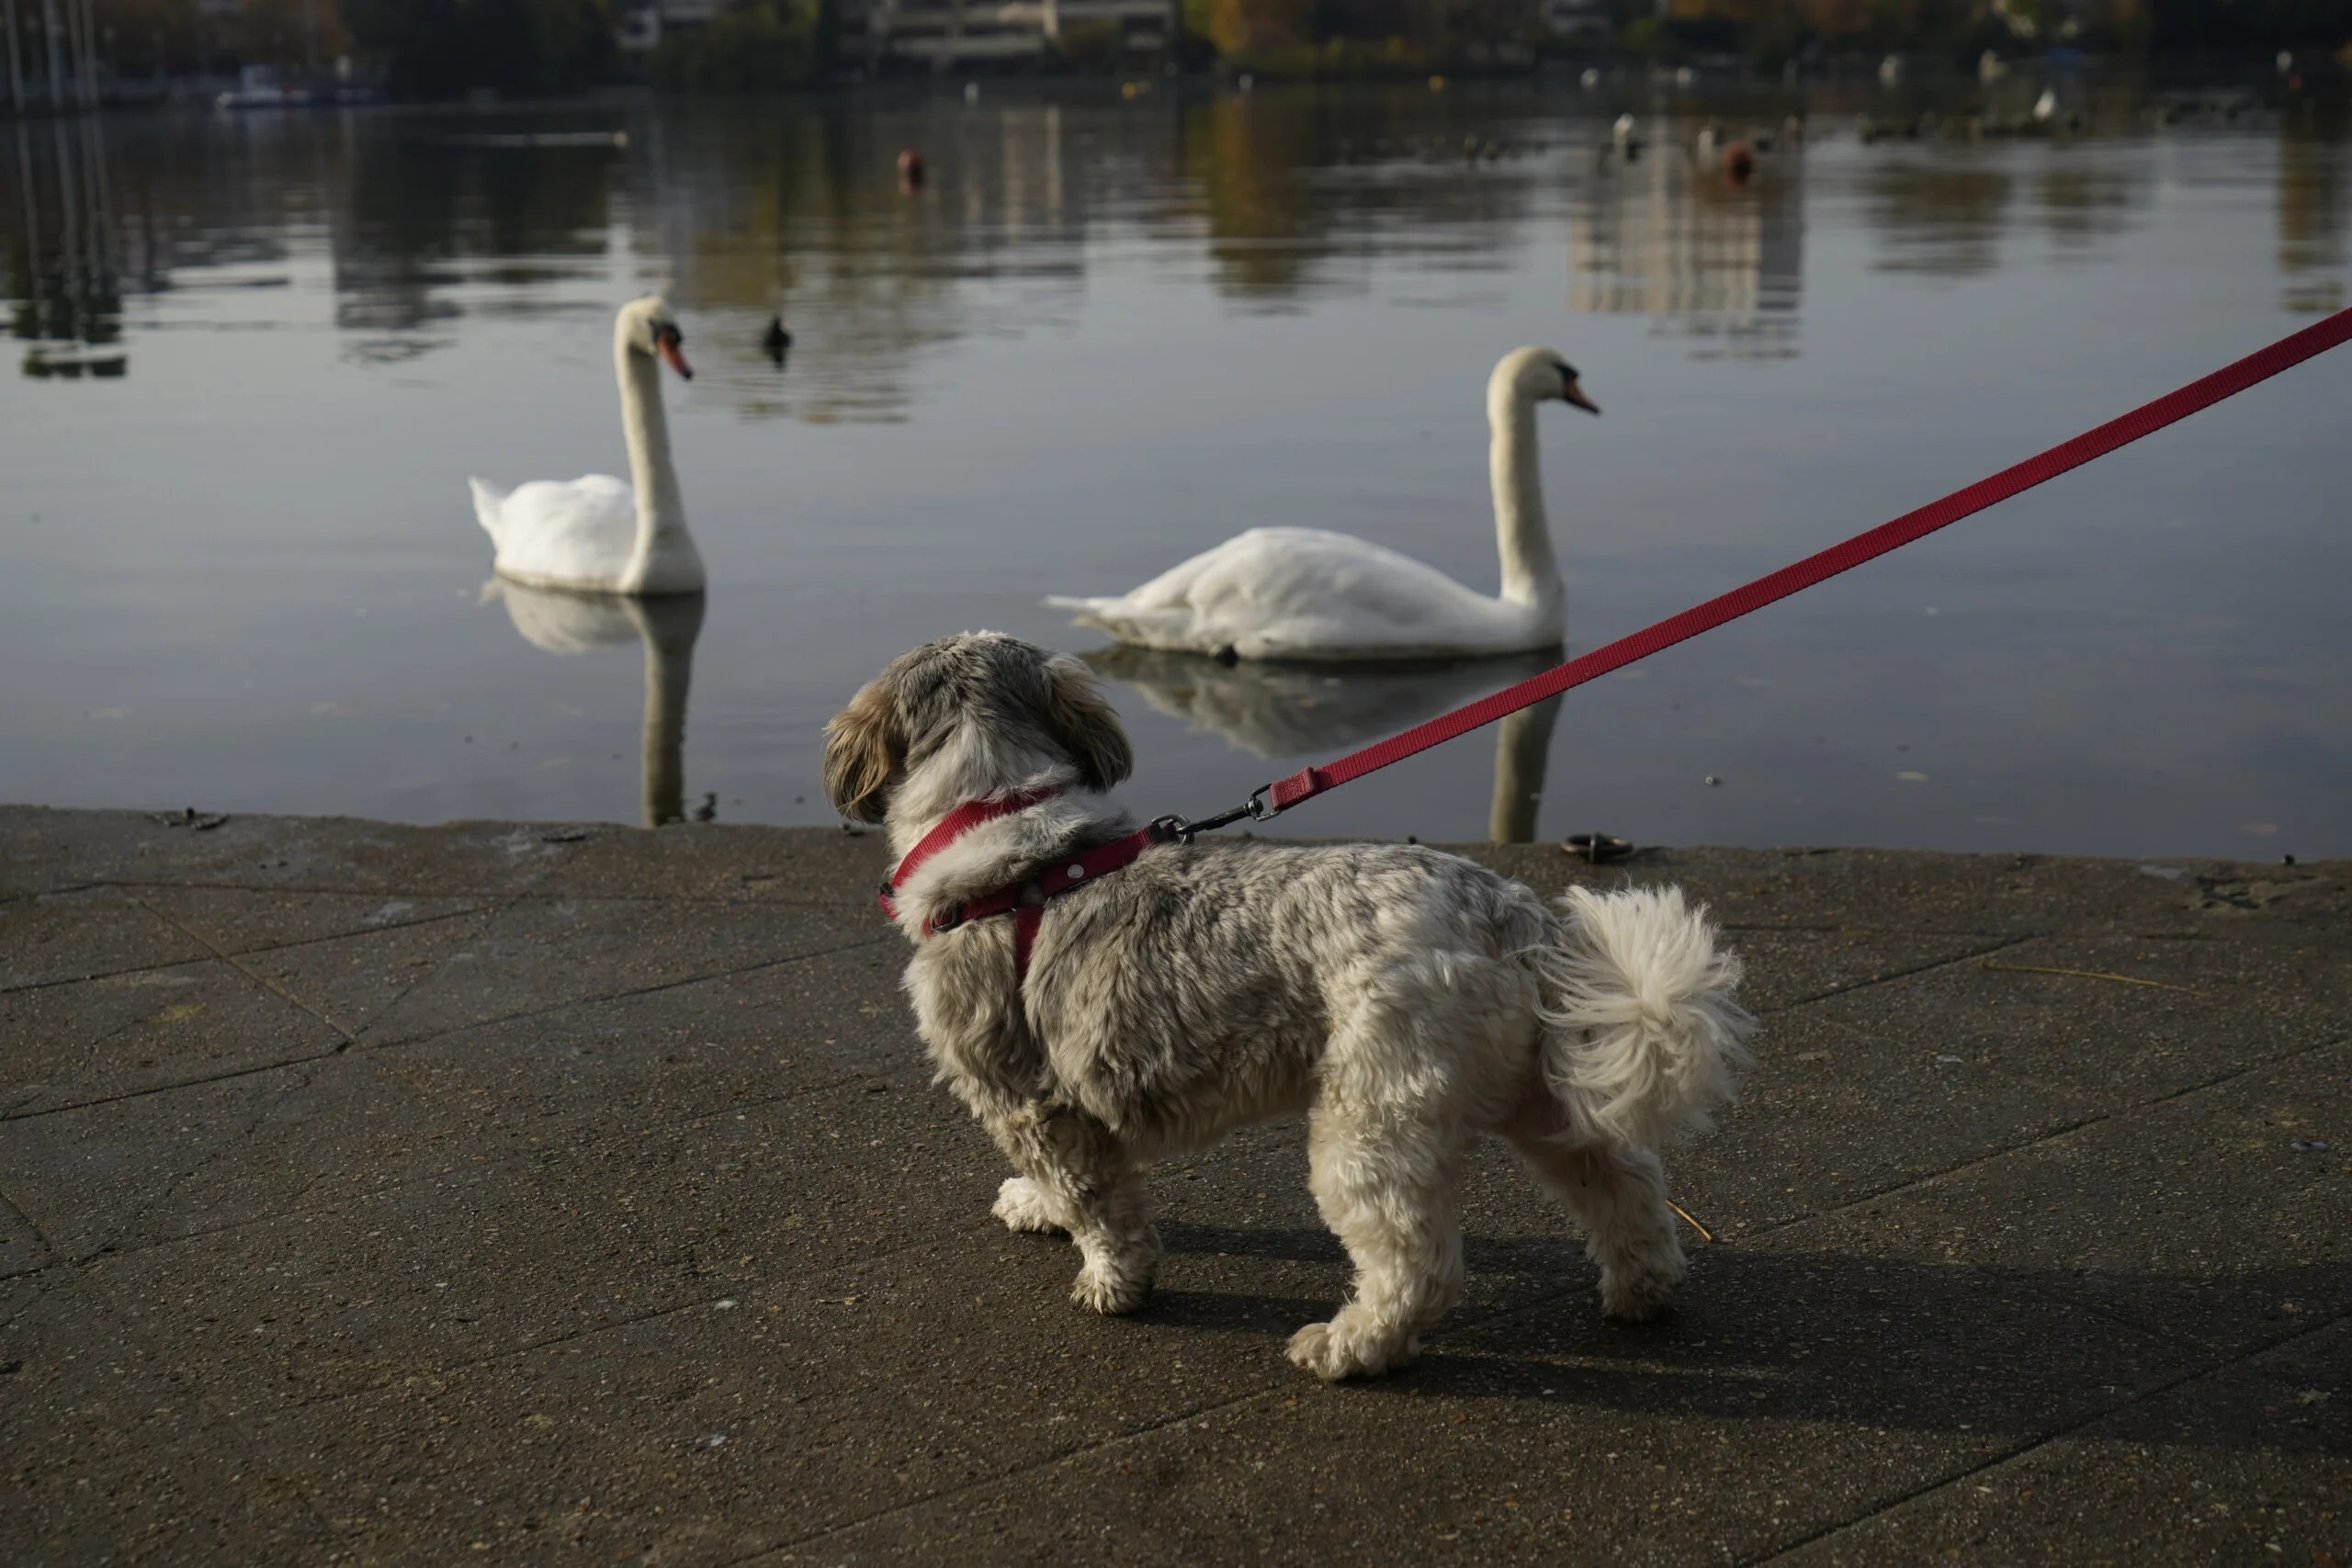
(1575, 394)
(668, 344)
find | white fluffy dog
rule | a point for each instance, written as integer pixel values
(1407, 1000)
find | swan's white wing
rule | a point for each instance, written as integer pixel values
(1306, 593)
(577, 532)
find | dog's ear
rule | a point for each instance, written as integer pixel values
(863, 749)
(1083, 721)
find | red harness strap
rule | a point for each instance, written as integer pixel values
(1024, 901)
(952, 827)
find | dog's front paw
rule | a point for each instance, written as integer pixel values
(1022, 1204)
(1110, 1287)
(1333, 1351)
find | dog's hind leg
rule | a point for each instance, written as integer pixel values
(1618, 1193)
(1387, 1178)
(1076, 1176)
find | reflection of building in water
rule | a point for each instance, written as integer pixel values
(2312, 172)
(63, 273)
(1721, 267)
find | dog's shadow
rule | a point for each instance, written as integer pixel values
(1945, 1349)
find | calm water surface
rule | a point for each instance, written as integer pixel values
(238, 569)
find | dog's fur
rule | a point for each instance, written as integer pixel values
(1407, 1000)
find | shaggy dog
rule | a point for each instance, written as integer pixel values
(1406, 1001)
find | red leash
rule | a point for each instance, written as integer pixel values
(2284, 354)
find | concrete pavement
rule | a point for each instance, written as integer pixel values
(522, 1193)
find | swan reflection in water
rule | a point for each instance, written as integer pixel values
(565, 622)
(1286, 712)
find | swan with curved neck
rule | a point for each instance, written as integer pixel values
(1305, 593)
(598, 534)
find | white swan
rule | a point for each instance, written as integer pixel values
(1303, 593)
(598, 534)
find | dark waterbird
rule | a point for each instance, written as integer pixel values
(775, 341)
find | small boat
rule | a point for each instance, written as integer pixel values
(260, 87)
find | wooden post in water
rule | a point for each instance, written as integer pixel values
(89, 53)
(56, 68)
(16, 67)
(76, 49)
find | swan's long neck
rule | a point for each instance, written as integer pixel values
(660, 514)
(1530, 572)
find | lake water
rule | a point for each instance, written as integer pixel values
(238, 569)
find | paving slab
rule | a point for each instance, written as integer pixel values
(109, 1455)
(2102, 1013)
(155, 1167)
(543, 1192)
(246, 919)
(146, 1030)
(538, 954)
(2250, 1465)
(1787, 966)
(51, 937)
(2213, 1217)
(353, 981)
(471, 1263)
(2012, 893)
(1776, 1402)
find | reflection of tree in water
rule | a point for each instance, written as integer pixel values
(2311, 213)
(1251, 160)
(1292, 181)
(1938, 217)
(413, 208)
(2081, 205)
(1720, 265)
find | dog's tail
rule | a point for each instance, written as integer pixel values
(1641, 1035)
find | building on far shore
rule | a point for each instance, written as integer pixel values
(941, 35)
(946, 33)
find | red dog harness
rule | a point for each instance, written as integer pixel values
(1024, 901)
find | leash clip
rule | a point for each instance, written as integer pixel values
(1257, 808)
